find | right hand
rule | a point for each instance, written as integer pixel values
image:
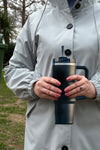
(46, 88)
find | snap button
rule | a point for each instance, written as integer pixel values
(64, 148)
(77, 6)
(69, 26)
(67, 52)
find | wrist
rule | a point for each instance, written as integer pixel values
(94, 93)
(35, 91)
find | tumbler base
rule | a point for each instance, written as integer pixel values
(64, 113)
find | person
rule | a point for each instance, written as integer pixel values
(29, 74)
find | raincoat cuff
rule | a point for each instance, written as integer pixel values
(30, 89)
(97, 87)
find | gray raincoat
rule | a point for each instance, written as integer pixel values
(37, 44)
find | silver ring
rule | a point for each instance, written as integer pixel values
(81, 88)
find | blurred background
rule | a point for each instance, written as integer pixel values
(13, 14)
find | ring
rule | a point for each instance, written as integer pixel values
(81, 88)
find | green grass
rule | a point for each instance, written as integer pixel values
(14, 110)
(11, 130)
(5, 93)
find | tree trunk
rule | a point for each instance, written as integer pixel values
(6, 36)
(23, 13)
(5, 6)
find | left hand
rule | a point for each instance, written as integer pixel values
(82, 87)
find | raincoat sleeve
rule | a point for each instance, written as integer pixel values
(21, 74)
(96, 80)
(96, 77)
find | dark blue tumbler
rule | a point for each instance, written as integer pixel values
(64, 106)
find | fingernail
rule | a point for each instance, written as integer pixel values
(67, 94)
(68, 78)
(58, 83)
(66, 90)
(70, 96)
(56, 99)
(59, 91)
(58, 95)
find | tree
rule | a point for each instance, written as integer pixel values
(6, 26)
(15, 15)
(5, 6)
(23, 7)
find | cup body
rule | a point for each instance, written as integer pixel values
(64, 106)
(64, 67)
(60, 72)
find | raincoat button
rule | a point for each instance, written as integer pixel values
(77, 6)
(64, 148)
(67, 52)
(69, 26)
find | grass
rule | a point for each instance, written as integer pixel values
(8, 109)
(12, 119)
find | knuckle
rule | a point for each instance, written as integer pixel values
(39, 83)
(49, 87)
(76, 84)
(49, 80)
(43, 78)
(39, 89)
(86, 81)
(36, 86)
(82, 76)
(78, 76)
(77, 90)
(48, 92)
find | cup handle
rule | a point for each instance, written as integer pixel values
(86, 75)
(85, 69)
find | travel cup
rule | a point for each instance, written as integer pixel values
(64, 67)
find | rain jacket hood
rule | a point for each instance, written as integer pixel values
(63, 4)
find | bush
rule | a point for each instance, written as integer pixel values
(8, 53)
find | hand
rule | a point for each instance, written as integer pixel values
(82, 87)
(46, 88)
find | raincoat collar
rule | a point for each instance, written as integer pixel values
(63, 4)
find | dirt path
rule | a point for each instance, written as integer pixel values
(14, 117)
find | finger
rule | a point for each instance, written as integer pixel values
(74, 85)
(50, 93)
(80, 81)
(75, 77)
(76, 91)
(77, 94)
(51, 81)
(49, 97)
(51, 87)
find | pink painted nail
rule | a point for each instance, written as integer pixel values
(68, 78)
(66, 90)
(58, 95)
(67, 94)
(56, 99)
(58, 83)
(59, 91)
